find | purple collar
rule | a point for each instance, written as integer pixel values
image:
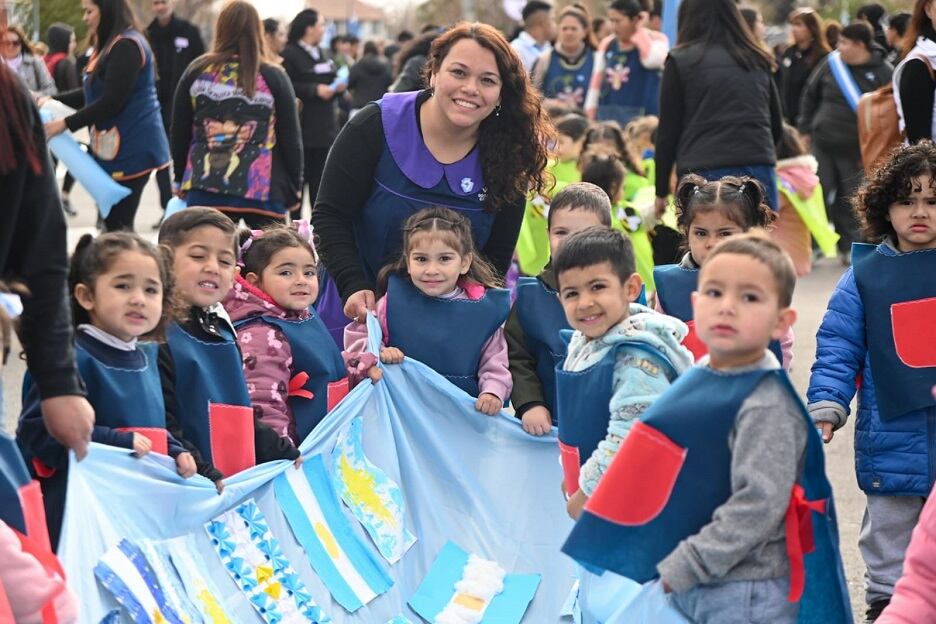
(398, 115)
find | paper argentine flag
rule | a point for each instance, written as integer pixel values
(344, 563)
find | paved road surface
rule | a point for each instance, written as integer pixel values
(812, 294)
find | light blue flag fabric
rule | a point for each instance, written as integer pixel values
(476, 480)
(103, 188)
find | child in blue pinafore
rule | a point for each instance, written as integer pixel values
(120, 293)
(879, 325)
(708, 213)
(533, 342)
(295, 373)
(439, 304)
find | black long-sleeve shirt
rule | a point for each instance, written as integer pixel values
(32, 251)
(268, 445)
(124, 63)
(917, 92)
(346, 185)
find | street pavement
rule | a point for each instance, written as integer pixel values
(812, 295)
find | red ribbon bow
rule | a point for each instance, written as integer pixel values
(799, 537)
(296, 386)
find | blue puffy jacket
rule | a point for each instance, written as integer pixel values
(891, 457)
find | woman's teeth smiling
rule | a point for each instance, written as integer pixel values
(466, 104)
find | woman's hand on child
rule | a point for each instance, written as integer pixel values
(537, 421)
(576, 504)
(185, 465)
(825, 430)
(359, 304)
(141, 444)
(489, 404)
(391, 355)
(69, 419)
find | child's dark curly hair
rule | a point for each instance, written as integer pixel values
(892, 181)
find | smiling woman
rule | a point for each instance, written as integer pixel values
(475, 142)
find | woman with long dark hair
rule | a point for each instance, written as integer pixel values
(915, 76)
(563, 72)
(719, 108)
(800, 59)
(235, 133)
(118, 101)
(475, 141)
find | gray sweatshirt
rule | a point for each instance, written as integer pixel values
(746, 538)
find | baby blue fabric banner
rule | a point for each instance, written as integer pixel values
(475, 480)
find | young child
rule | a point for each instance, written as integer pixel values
(880, 324)
(532, 330)
(724, 466)
(295, 372)
(200, 364)
(607, 137)
(802, 216)
(439, 304)
(533, 243)
(605, 170)
(620, 358)
(120, 292)
(708, 213)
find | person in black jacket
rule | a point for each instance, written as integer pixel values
(719, 107)
(369, 78)
(176, 43)
(800, 59)
(312, 73)
(32, 253)
(829, 124)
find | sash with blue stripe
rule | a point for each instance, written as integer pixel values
(344, 563)
(845, 80)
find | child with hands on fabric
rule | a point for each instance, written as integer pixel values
(295, 372)
(621, 357)
(200, 366)
(439, 304)
(879, 325)
(533, 342)
(121, 290)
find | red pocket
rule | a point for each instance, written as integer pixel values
(914, 327)
(232, 438)
(694, 343)
(571, 465)
(30, 496)
(337, 390)
(639, 481)
(157, 435)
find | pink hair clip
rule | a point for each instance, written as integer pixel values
(254, 234)
(304, 229)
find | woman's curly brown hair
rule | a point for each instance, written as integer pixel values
(892, 181)
(512, 145)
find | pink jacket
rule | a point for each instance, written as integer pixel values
(29, 587)
(914, 598)
(493, 374)
(267, 355)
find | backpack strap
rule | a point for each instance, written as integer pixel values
(844, 80)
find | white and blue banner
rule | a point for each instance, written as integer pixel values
(477, 481)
